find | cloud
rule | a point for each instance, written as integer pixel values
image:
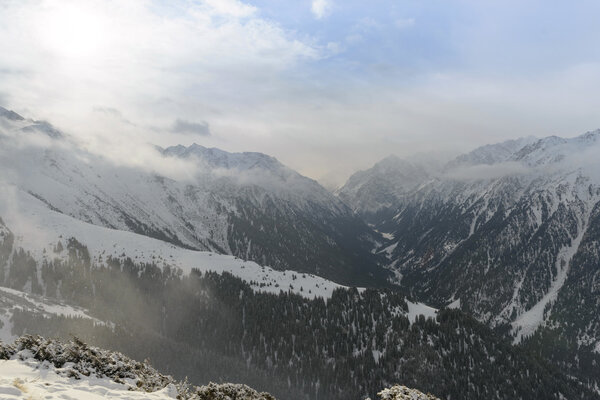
(112, 113)
(231, 7)
(187, 127)
(321, 8)
(485, 172)
(320, 97)
(152, 61)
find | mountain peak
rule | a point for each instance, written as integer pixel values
(10, 115)
(382, 185)
(492, 153)
(589, 137)
(217, 158)
(43, 127)
(554, 149)
(29, 125)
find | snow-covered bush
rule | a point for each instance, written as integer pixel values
(403, 393)
(75, 359)
(229, 391)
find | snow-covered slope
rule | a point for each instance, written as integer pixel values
(383, 186)
(509, 232)
(492, 153)
(12, 300)
(38, 368)
(29, 379)
(39, 230)
(243, 204)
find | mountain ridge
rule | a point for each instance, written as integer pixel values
(512, 238)
(243, 204)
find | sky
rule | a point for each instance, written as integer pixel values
(326, 86)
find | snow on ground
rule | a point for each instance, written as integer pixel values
(387, 236)
(403, 393)
(35, 368)
(26, 380)
(11, 299)
(416, 309)
(44, 305)
(527, 323)
(38, 229)
(455, 304)
(389, 250)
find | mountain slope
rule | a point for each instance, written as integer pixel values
(508, 232)
(345, 344)
(248, 204)
(381, 187)
(37, 234)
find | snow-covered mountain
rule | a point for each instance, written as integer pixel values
(508, 232)
(243, 204)
(492, 153)
(43, 235)
(381, 187)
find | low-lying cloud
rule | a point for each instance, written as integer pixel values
(196, 128)
(323, 97)
(486, 172)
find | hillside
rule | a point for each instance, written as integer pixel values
(242, 204)
(509, 233)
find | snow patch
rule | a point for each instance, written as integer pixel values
(454, 304)
(527, 323)
(38, 230)
(416, 309)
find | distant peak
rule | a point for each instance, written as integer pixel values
(44, 127)
(9, 114)
(490, 154)
(218, 158)
(590, 137)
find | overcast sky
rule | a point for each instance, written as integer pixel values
(326, 86)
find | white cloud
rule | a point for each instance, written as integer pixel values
(321, 8)
(231, 7)
(485, 172)
(258, 87)
(61, 59)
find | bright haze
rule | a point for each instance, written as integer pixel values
(326, 86)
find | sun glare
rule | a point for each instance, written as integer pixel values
(74, 32)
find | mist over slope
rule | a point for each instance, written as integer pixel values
(247, 204)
